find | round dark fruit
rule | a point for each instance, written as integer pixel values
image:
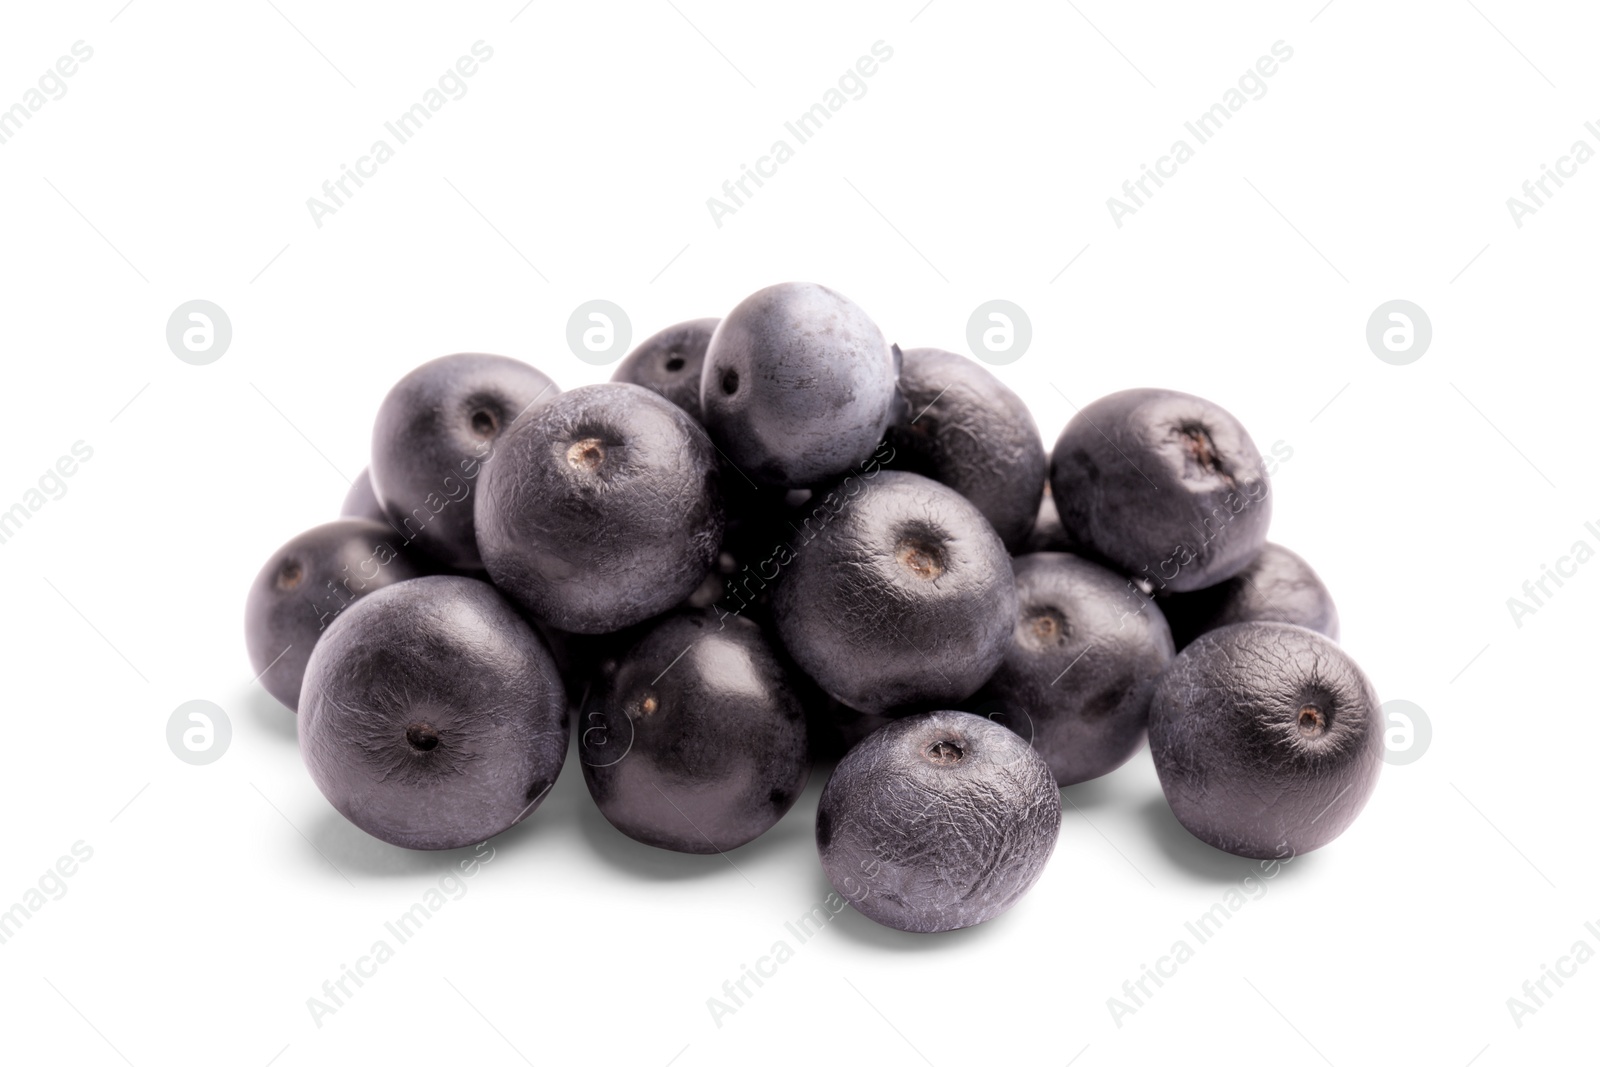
(669, 363)
(937, 821)
(798, 385)
(1267, 738)
(895, 594)
(305, 585)
(696, 742)
(965, 429)
(1165, 486)
(600, 509)
(435, 433)
(1277, 586)
(433, 716)
(1082, 665)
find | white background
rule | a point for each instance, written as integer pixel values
(577, 166)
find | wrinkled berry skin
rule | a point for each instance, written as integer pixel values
(361, 502)
(601, 509)
(798, 385)
(963, 428)
(900, 598)
(1163, 486)
(696, 741)
(669, 363)
(1277, 586)
(1267, 738)
(304, 587)
(435, 433)
(1081, 668)
(937, 821)
(433, 716)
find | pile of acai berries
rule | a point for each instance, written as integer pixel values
(776, 540)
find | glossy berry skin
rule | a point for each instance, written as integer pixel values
(798, 385)
(696, 741)
(896, 596)
(1081, 668)
(304, 587)
(600, 509)
(963, 428)
(1164, 486)
(937, 821)
(1277, 586)
(669, 363)
(435, 433)
(361, 502)
(1267, 738)
(433, 715)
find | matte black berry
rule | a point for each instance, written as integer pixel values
(601, 509)
(669, 363)
(696, 741)
(433, 715)
(895, 594)
(435, 432)
(798, 385)
(965, 429)
(937, 821)
(304, 587)
(1267, 737)
(1164, 486)
(1277, 586)
(1082, 665)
